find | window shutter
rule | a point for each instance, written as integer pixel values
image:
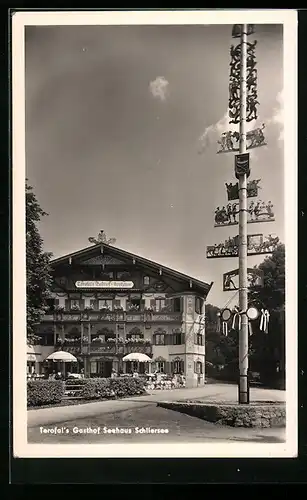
(195, 367)
(177, 304)
(201, 368)
(153, 303)
(67, 304)
(167, 367)
(172, 367)
(182, 366)
(167, 304)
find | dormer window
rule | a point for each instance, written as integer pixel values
(146, 280)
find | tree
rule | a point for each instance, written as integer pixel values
(37, 266)
(266, 350)
(102, 238)
(269, 349)
(221, 350)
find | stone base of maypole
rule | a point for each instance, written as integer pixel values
(261, 414)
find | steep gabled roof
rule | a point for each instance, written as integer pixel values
(94, 250)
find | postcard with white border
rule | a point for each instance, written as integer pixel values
(154, 184)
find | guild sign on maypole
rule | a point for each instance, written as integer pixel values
(243, 109)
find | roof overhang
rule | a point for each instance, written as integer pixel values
(195, 284)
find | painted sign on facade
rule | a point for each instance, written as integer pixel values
(104, 284)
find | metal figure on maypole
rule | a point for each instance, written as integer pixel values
(243, 108)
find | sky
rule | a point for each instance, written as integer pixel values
(122, 124)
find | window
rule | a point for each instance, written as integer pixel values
(160, 304)
(160, 339)
(198, 367)
(52, 303)
(93, 367)
(105, 304)
(146, 280)
(198, 305)
(30, 367)
(135, 303)
(198, 339)
(135, 334)
(160, 366)
(178, 338)
(178, 366)
(75, 304)
(177, 304)
(92, 303)
(46, 339)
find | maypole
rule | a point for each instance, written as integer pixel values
(243, 109)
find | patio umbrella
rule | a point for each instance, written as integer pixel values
(137, 356)
(62, 357)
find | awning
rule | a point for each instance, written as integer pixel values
(33, 355)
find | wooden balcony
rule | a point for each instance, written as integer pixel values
(138, 347)
(119, 348)
(74, 349)
(113, 316)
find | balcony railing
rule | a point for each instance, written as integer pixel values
(74, 349)
(116, 348)
(114, 316)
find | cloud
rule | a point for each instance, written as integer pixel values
(274, 124)
(213, 132)
(159, 88)
(278, 115)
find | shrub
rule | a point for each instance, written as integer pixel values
(127, 386)
(43, 392)
(107, 388)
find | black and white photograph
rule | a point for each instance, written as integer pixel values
(154, 249)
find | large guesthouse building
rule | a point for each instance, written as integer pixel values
(107, 303)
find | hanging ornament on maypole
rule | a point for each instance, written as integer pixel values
(264, 321)
(235, 317)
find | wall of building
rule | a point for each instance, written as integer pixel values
(193, 353)
(189, 352)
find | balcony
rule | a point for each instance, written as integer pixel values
(74, 349)
(138, 347)
(131, 316)
(118, 348)
(99, 347)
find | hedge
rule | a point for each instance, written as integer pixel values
(106, 388)
(44, 392)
